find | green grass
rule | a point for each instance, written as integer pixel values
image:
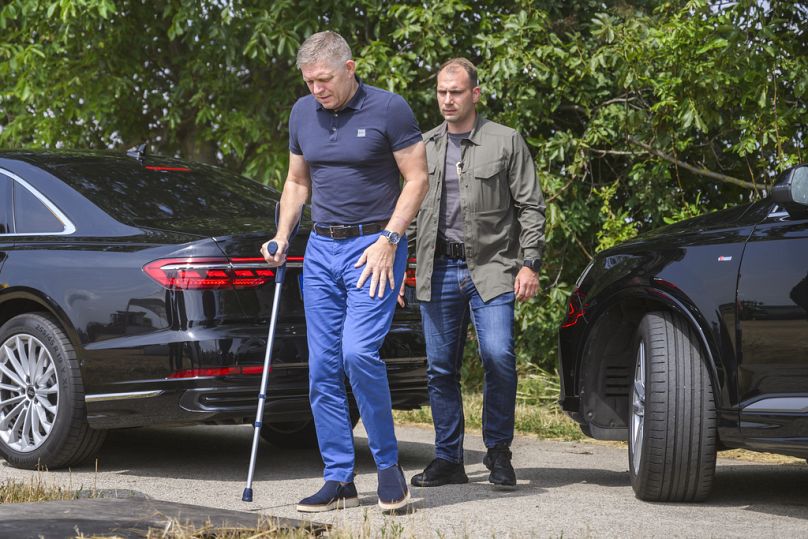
(537, 410)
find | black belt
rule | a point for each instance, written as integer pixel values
(339, 232)
(450, 249)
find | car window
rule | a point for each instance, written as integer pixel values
(5, 207)
(31, 216)
(126, 190)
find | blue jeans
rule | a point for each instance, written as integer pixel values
(345, 329)
(446, 317)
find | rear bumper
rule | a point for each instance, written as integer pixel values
(234, 399)
(132, 386)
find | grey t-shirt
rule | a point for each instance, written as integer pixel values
(450, 225)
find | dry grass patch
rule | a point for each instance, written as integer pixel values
(34, 490)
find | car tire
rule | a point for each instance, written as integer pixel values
(295, 434)
(672, 416)
(43, 419)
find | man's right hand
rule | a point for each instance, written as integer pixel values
(279, 258)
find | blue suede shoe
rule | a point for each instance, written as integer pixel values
(333, 495)
(393, 491)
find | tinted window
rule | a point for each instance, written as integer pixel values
(5, 207)
(31, 215)
(127, 190)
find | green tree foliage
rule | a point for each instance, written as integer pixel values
(638, 112)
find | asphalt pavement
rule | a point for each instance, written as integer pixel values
(569, 489)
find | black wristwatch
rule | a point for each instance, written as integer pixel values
(392, 237)
(532, 263)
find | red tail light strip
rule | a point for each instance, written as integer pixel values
(220, 371)
(409, 276)
(208, 273)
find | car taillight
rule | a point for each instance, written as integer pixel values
(409, 276)
(219, 371)
(576, 308)
(209, 273)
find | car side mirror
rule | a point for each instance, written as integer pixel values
(791, 191)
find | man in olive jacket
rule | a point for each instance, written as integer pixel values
(480, 236)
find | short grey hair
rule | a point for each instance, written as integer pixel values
(323, 47)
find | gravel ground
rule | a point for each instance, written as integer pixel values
(571, 489)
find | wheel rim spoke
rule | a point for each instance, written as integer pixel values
(22, 366)
(45, 403)
(637, 421)
(15, 373)
(29, 393)
(46, 376)
(35, 373)
(42, 413)
(12, 400)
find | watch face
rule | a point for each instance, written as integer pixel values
(392, 237)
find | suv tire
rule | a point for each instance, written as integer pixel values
(672, 417)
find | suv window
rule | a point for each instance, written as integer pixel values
(31, 216)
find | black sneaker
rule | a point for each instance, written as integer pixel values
(498, 460)
(333, 495)
(440, 472)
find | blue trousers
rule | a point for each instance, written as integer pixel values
(446, 318)
(346, 328)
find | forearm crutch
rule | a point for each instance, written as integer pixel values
(280, 274)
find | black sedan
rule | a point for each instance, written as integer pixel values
(132, 293)
(694, 338)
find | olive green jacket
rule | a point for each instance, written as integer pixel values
(501, 202)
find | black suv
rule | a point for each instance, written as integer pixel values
(694, 338)
(132, 293)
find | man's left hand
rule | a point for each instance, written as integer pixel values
(379, 258)
(526, 285)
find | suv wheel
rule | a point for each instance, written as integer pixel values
(42, 414)
(672, 417)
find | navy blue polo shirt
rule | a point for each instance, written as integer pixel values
(354, 175)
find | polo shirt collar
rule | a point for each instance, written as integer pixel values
(358, 99)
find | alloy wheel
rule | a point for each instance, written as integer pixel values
(29, 393)
(638, 408)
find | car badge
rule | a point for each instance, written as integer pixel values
(724, 258)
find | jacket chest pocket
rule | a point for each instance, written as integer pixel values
(432, 194)
(489, 188)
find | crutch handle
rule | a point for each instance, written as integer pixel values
(280, 271)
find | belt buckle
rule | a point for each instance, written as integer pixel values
(339, 232)
(456, 250)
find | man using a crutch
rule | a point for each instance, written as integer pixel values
(350, 143)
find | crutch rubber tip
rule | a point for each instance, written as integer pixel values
(247, 496)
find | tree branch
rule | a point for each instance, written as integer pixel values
(695, 170)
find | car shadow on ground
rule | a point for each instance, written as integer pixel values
(776, 489)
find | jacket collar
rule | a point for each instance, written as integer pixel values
(474, 137)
